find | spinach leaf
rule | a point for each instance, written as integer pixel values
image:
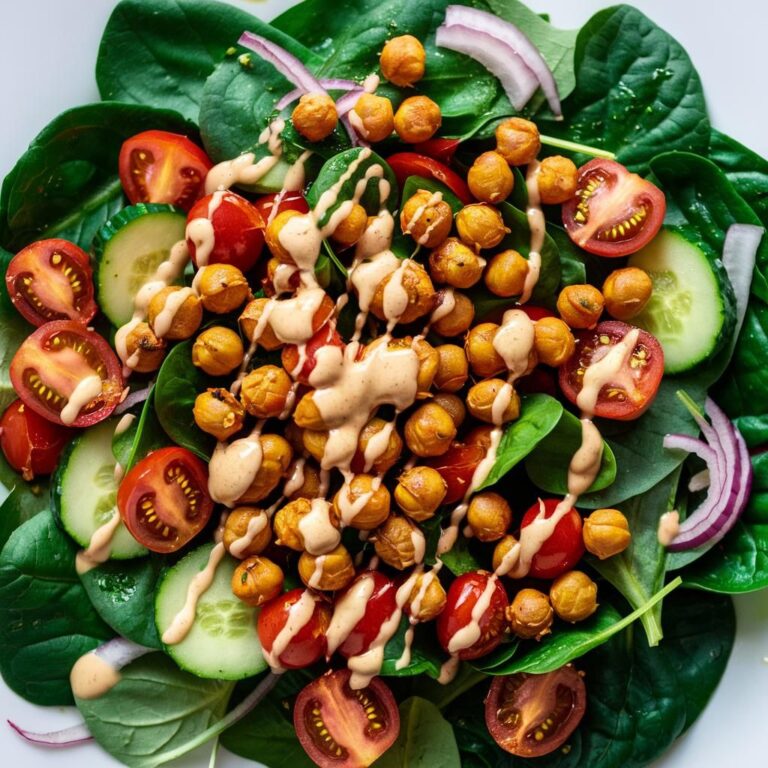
(426, 657)
(23, 502)
(414, 183)
(46, 619)
(143, 435)
(460, 559)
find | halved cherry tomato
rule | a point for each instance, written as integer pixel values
(463, 595)
(627, 394)
(164, 499)
(291, 356)
(290, 201)
(456, 466)
(344, 728)
(52, 372)
(31, 444)
(563, 549)
(532, 715)
(439, 149)
(233, 231)
(52, 280)
(306, 646)
(536, 313)
(163, 167)
(539, 380)
(614, 212)
(405, 164)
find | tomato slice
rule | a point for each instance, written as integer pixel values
(634, 388)
(292, 355)
(614, 212)
(163, 167)
(457, 466)
(54, 369)
(290, 201)
(344, 728)
(405, 164)
(532, 715)
(164, 499)
(438, 149)
(563, 549)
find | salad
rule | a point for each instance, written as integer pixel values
(398, 396)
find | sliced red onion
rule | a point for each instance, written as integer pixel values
(134, 398)
(66, 737)
(739, 256)
(690, 445)
(346, 103)
(514, 38)
(119, 652)
(354, 136)
(329, 84)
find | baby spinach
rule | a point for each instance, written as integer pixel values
(460, 559)
(425, 655)
(23, 502)
(144, 435)
(414, 183)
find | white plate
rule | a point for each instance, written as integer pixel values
(47, 52)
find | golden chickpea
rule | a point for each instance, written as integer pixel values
(490, 179)
(419, 492)
(418, 287)
(284, 278)
(218, 351)
(429, 430)
(482, 402)
(351, 228)
(417, 119)
(307, 415)
(558, 178)
(329, 572)
(453, 404)
(626, 292)
(506, 274)
(403, 60)
(257, 580)
(429, 359)
(390, 452)
(315, 116)
(426, 602)
(455, 264)
(580, 305)
(518, 141)
(489, 516)
(272, 235)
(606, 533)
(426, 219)
(373, 118)
(171, 320)
(375, 507)
(219, 413)
(314, 442)
(573, 596)
(480, 226)
(250, 321)
(459, 319)
(295, 436)
(145, 350)
(265, 391)
(483, 358)
(247, 532)
(399, 543)
(222, 288)
(276, 456)
(453, 368)
(502, 549)
(305, 481)
(289, 530)
(553, 341)
(530, 614)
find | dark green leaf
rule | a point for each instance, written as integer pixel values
(144, 435)
(22, 503)
(426, 658)
(460, 559)
(414, 183)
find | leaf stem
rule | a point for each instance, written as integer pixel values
(690, 404)
(572, 146)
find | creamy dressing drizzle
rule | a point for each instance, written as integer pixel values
(100, 545)
(200, 231)
(537, 225)
(85, 390)
(317, 530)
(669, 527)
(299, 615)
(234, 466)
(255, 526)
(92, 677)
(124, 424)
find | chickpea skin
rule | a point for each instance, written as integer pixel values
(427, 219)
(145, 351)
(482, 402)
(606, 533)
(506, 274)
(573, 596)
(247, 532)
(452, 369)
(384, 461)
(429, 431)
(459, 319)
(222, 288)
(257, 580)
(218, 351)
(553, 341)
(483, 358)
(419, 492)
(429, 360)
(307, 415)
(626, 292)
(481, 226)
(518, 141)
(250, 322)
(184, 319)
(580, 305)
(417, 119)
(417, 285)
(399, 543)
(374, 510)
(530, 614)
(219, 413)
(272, 235)
(327, 573)
(490, 179)
(489, 516)
(315, 116)
(454, 264)
(454, 405)
(351, 229)
(287, 524)
(502, 549)
(265, 391)
(373, 118)
(276, 456)
(403, 60)
(558, 179)
(425, 604)
(309, 487)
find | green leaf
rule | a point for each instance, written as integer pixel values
(143, 435)
(414, 183)
(426, 657)
(460, 559)
(23, 502)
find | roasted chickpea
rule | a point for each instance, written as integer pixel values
(175, 313)
(375, 503)
(518, 141)
(483, 401)
(626, 292)
(314, 441)
(372, 117)
(489, 516)
(247, 532)
(303, 481)
(417, 285)
(417, 119)
(558, 178)
(553, 341)
(272, 234)
(580, 305)
(307, 415)
(283, 278)
(490, 179)
(218, 351)
(455, 264)
(257, 580)
(502, 549)
(459, 319)
(402, 60)
(222, 288)
(329, 572)
(145, 350)
(351, 228)
(419, 492)
(606, 533)
(453, 368)
(427, 598)
(265, 391)
(399, 543)
(483, 358)
(429, 430)
(506, 274)
(573, 596)
(480, 226)
(276, 456)
(291, 532)
(427, 219)
(315, 116)
(429, 359)
(453, 404)
(219, 413)
(530, 614)
(250, 322)
(370, 449)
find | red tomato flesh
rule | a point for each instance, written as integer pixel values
(290, 201)
(563, 549)
(405, 164)
(457, 466)
(291, 356)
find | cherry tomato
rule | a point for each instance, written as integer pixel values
(52, 280)
(164, 499)
(463, 595)
(532, 715)
(31, 444)
(405, 164)
(614, 212)
(233, 231)
(56, 360)
(290, 201)
(457, 466)
(539, 380)
(326, 336)
(344, 728)
(438, 149)
(306, 646)
(627, 395)
(536, 313)
(163, 167)
(563, 549)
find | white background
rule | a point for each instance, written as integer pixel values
(47, 52)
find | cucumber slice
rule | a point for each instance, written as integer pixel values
(128, 250)
(223, 643)
(84, 491)
(692, 309)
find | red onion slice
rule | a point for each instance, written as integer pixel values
(66, 737)
(134, 398)
(284, 62)
(330, 84)
(739, 256)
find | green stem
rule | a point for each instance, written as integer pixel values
(572, 146)
(689, 403)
